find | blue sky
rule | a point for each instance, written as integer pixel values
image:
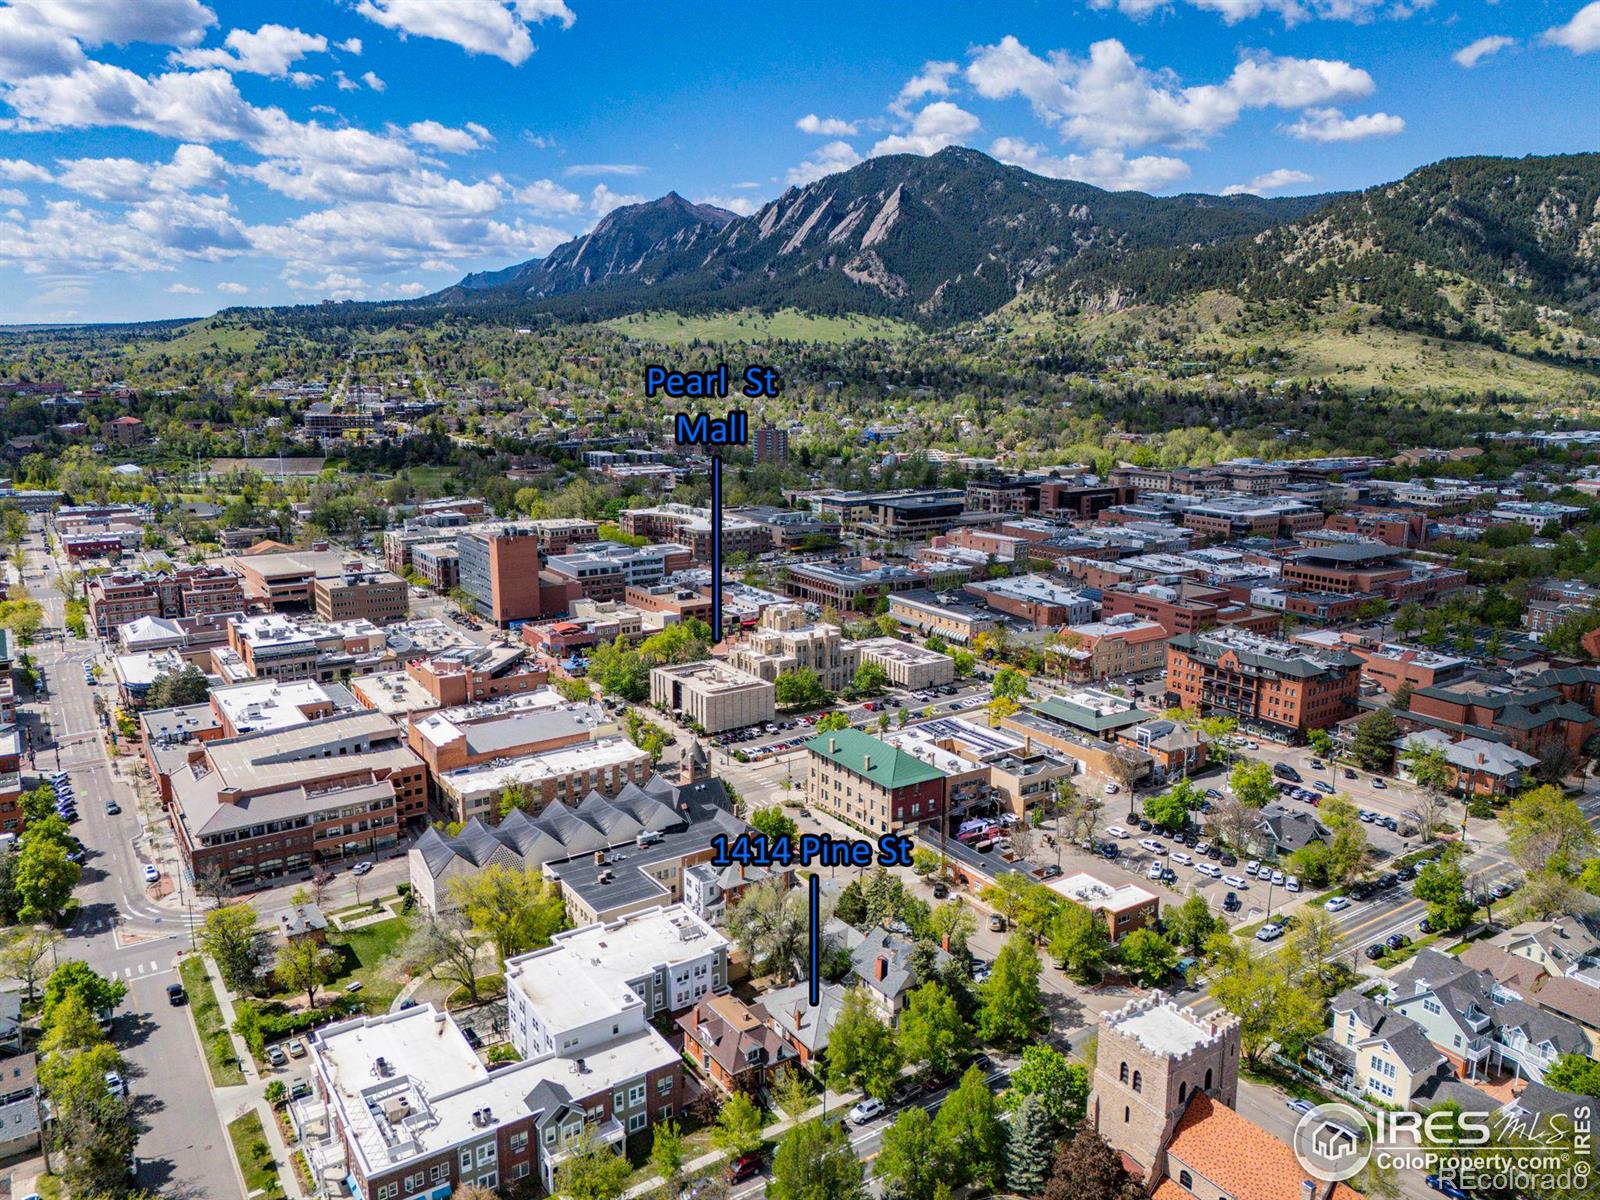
(161, 158)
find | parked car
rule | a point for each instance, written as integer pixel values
(1337, 904)
(1349, 774)
(277, 1057)
(1235, 881)
(1182, 859)
(1252, 868)
(1112, 789)
(299, 1088)
(297, 1049)
(866, 1110)
(1277, 878)
(116, 1084)
(1291, 883)
(1231, 902)
(1375, 951)
(997, 923)
(940, 891)
(1269, 933)
(1378, 783)
(746, 1166)
(1229, 860)
(151, 873)
(1397, 941)
(1300, 1106)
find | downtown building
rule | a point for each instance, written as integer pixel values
(121, 597)
(1272, 688)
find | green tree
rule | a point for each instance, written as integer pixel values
(574, 691)
(1192, 924)
(178, 688)
(620, 671)
(38, 804)
(772, 922)
(1078, 941)
(1546, 830)
(1009, 683)
(1373, 744)
(1171, 808)
(932, 1035)
(1321, 742)
(232, 937)
(832, 722)
(738, 1127)
(304, 966)
(1575, 1073)
(1030, 1147)
(73, 1026)
(99, 994)
(1013, 1007)
(861, 1049)
(1252, 783)
(1087, 1168)
(773, 823)
(45, 878)
(92, 1132)
(870, 679)
(800, 688)
(1148, 956)
(1443, 885)
(1347, 840)
(592, 1171)
(666, 1151)
(908, 1161)
(851, 907)
(516, 910)
(1061, 1088)
(815, 1162)
(969, 1133)
(23, 957)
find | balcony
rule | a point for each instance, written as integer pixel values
(601, 1133)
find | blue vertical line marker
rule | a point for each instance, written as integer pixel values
(716, 547)
(816, 940)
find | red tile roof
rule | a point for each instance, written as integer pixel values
(1236, 1155)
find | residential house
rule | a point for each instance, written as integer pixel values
(1373, 1050)
(733, 1047)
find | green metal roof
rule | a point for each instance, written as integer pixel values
(878, 761)
(1064, 711)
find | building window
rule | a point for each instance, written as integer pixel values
(1183, 1091)
(1185, 1180)
(1138, 1082)
(1127, 1114)
(1208, 1079)
(1122, 1075)
(519, 1142)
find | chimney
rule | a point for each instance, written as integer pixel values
(883, 967)
(833, 745)
(599, 858)
(867, 759)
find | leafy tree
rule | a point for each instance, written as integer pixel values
(23, 957)
(72, 1026)
(832, 722)
(772, 921)
(969, 1133)
(1087, 1168)
(515, 910)
(1078, 941)
(38, 804)
(792, 1093)
(815, 1162)
(1314, 953)
(1009, 683)
(92, 1132)
(1191, 925)
(304, 966)
(1373, 744)
(952, 924)
(932, 1034)
(73, 977)
(862, 1052)
(1148, 956)
(592, 1171)
(1546, 830)
(686, 642)
(1252, 783)
(232, 937)
(620, 671)
(574, 691)
(909, 1162)
(1171, 809)
(738, 1127)
(1576, 1073)
(1444, 886)
(1030, 1147)
(1270, 1004)
(45, 878)
(1321, 742)
(1567, 637)
(446, 948)
(1347, 841)
(1061, 1089)
(667, 1151)
(1013, 1007)
(773, 823)
(178, 688)
(870, 679)
(800, 688)
(1000, 708)
(851, 907)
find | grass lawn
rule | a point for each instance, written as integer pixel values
(440, 479)
(255, 1155)
(368, 955)
(207, 1014)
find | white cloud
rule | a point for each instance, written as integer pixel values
(409, 290)
(148, 237)
(1271, 181)
(232, 289)
(1581, 35)
(370, 78)
(19, 170)
(12, 197)
(538, 140)
(1471, 55)
(443, 137)
(182, 289)
(270, 50)
(1111, 100)
(29, 47)
(938, 125)
(349, 45)
(346, 84)
(825, 126)
(121, 22)
(477, 26)
(191, 167)
(602, 200)
(578, 169)
(932, 80)
(1331, 125)
(742, 205)
(1291, 11)
(547, 198)
(827, 159)
(1109, 169)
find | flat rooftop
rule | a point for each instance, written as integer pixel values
(1162, 1028)
(623, 950)
(492, 778)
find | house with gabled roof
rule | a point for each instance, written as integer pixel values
(1371, 1049)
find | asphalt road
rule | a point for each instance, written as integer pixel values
(121, 931)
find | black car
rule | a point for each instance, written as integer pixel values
(1349, 774)
(940, 891)
(1230, 902)
(1109, 850)
(1406, 874)
(1375, 952)
(1425, 926)
(472, 1037)
(1213, 853)
(1189, 839)
(1397, 941)
(1285, 771)
(1144, 825)
(176, 995)
(1230, 860)
(1360, 891)
(1388, 879)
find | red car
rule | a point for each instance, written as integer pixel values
(747, 1166)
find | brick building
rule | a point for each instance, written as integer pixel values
(869, 784)
(1271, 687)
(121, 597)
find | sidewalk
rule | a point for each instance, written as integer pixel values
(252, 1095)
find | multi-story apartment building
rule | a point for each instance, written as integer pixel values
(499, 569)
(606, 570)
(1044, 494)
(1246, 516)
(691, 527)
(1270, 686)
(361, 592)
(713, 695)
(1183, 606)
(895, 517)
(857, 584)
(565, 776)
(280, 802)
(439, 564)
(770, 443)
(870, 784)
(271, 646)
(452, 738)
(118, 598)
(1369, 567)
(1116, 646)
(788, 640)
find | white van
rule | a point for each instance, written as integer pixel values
(1152, 845)
(1117, 831)
(1182, 859)
(1211, 869)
